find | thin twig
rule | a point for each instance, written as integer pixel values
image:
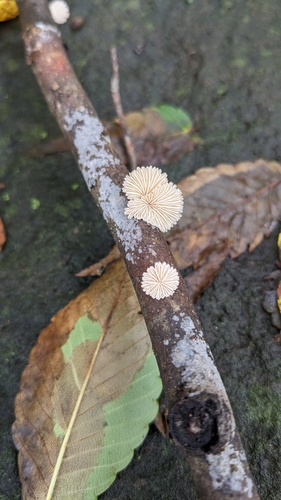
(115, 92)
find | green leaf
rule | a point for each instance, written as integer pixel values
(176, 119)
(126, 421)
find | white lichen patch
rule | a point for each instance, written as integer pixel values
(166, 342)
(111, 201)
(46, 35)
(191, 355)
(152, 251)
(112, 205)
(227, 470)
(94, 156)
(130, 235)
(47, 30)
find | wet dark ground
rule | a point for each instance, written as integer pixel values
(220, 61)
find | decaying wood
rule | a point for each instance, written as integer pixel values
(198, 409)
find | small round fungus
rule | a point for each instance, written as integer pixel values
(59, 11)
(160, 280)
(152, 198)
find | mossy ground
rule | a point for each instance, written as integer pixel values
(220, 61)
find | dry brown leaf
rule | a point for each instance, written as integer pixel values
(87, 394)
(153, 142)
(227, 209)
(203, 276)
(2, 235)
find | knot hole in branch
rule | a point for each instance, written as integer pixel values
(193, 423)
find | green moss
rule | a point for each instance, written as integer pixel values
(34, 135)
(274, 31)
(222, 89)
(61, 209)
(10, 210)
(226, 6)
(5, 146)
(34, 203)
(6, 196)
(266, 53)
(264, 436)
(263, 408)
(12, 65)
(240, 62)
(5, 311)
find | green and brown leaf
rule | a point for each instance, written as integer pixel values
(87, 395)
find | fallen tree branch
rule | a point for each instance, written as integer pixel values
(198, 410)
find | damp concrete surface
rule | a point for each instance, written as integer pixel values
(218, 60)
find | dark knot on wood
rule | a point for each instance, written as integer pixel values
(193, 423)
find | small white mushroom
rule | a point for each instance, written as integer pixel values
(152, 198)
(160, 280)
(142, 181)
(59, 11)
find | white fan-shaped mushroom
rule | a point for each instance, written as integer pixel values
(142, 181)
(160, 280)
(152, 198)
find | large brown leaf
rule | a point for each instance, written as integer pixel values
(227, 209)
(87, 394)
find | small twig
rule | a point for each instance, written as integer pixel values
(115, 92)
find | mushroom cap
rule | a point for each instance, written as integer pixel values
(59, 11)
(142, 181)
(160, 281)
(152, 198)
